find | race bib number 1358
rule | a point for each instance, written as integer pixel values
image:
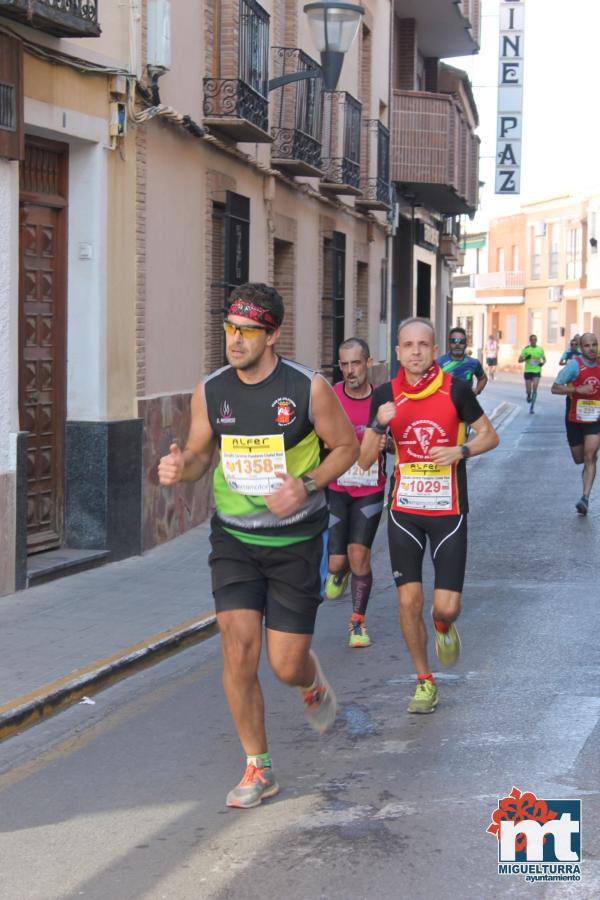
(252, 464)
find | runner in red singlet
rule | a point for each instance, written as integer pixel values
(426, 410)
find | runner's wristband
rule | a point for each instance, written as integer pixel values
(376, 427)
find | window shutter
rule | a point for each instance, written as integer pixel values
(12, 141)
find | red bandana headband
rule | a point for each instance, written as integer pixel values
(252, 311)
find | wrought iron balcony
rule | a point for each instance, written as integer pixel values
(435, 154)
(232, 106)
(63, 18)
(375, 180)
(297, 115)
(341, 143)
(235, 99)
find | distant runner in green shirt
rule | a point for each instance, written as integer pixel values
(534, 358)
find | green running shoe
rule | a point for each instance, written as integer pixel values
(335, 585)
(447, 646)
(257, 784)
(358, 634)
(425, 698)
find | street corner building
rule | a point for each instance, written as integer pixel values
(150, 161)
(536, 271)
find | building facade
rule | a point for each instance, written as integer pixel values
(69, 433)
(542, 278)
(435, 152)
(147, 166)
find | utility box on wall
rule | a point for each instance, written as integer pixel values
(12, 138)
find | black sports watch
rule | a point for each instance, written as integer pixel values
(310, 485)
(465, 450)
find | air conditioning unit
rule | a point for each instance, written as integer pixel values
(555, 294)
(540, 229)
(159, 35)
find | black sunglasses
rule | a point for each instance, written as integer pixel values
(457, 341)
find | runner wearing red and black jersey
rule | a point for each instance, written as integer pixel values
(356, 498)
(579, 381)
(426, 411)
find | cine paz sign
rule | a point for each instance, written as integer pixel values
(510, 97)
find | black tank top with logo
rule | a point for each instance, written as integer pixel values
(262, 428)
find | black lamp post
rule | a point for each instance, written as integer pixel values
(333, 26)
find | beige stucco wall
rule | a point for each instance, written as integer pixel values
(121, 281)
(175, 268)
(380, 77)
(120, 28)
(181, 87)
(64, 87)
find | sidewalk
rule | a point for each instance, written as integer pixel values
(75, 636)
(71, 637)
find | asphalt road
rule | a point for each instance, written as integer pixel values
(124, 799)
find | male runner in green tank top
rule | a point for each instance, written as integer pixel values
(266, 415)
(534, 358)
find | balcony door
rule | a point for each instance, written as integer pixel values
(42, 317)
(333, 302)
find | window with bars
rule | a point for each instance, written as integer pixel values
(333, 301)
(254, 46)
(229, 266)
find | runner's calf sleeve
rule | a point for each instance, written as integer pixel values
(361, 589)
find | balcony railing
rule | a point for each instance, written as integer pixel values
(63, 18)
(375, 181)
(297, 115)
(236, 102)
(435, 154)
(341, 143)
(492, 281)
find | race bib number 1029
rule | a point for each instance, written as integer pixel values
(588, 410)
(252, 464)
(424, 486)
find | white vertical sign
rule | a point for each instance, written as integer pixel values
(510, 97)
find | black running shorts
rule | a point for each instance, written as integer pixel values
(407, 537)
(283, 583)
(576, 431)
(529, 376)
(353, 520)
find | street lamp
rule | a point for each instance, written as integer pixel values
(333, 27)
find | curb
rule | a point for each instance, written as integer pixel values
(501, 412)
(29, 709)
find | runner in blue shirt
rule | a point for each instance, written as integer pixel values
(459, 364)
(573, 350)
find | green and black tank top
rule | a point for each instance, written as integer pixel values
(258, 426)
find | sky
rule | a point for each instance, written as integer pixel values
(561, 109)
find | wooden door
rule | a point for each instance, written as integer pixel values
(42, 366)
(495, 326)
